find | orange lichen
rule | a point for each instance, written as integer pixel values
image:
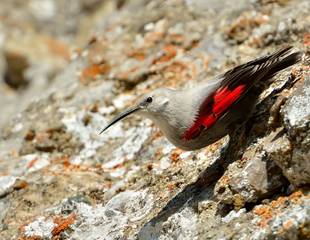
(266, 213)
(107, 185)
(306, 39)
(278, 202)
(68, 166)
(137, 54)
(79, 167)
(62, 160)
(94, 70)
(32, 163)
(224, 180)
(169, 52)
(287, 224)
(126, 74)
(119, 165)
(63, 223)
(175, 155)
(20, 184)
(58, 48)
(171, 187)
(295, 197)
(176, 38)
(66, 162)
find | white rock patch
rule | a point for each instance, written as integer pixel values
(110, 221)
(41, 227)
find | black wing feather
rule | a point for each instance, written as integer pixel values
(263, 67)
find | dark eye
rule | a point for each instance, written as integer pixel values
(149, 99)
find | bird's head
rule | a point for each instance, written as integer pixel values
(152, 105)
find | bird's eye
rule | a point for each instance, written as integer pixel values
(149, 99)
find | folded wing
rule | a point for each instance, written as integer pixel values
(235, 84)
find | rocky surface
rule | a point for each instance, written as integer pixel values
(78, 63)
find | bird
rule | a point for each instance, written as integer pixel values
(194, 118)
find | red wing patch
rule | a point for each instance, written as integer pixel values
(221, 101)
(195, 130)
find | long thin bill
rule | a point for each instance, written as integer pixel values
(120, 117)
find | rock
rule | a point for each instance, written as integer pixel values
(36, 43)
(285, 217)
(3, 211)
(241, 29)
(253, 177)
(296, 115)
(60, 179)
(41, 227)
(113, 219)
(6, 184)
(182, 225)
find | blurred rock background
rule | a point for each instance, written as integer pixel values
(67, 67)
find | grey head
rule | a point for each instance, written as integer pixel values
(155, 105)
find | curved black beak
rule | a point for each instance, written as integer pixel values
(121, 116)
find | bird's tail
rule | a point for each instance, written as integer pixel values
(281, 60)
